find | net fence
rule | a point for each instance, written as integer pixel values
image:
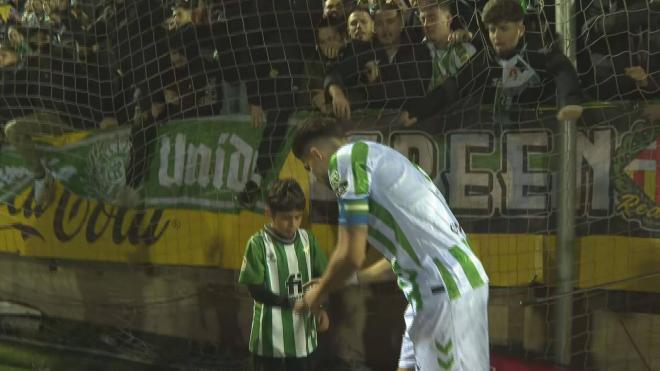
(153, 128)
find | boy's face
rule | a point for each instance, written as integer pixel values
(505, 36)
(329, 37)
(388, 26)
(360, 26)
(286, 223)
(436, 23)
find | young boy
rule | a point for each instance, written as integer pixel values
(279, 261)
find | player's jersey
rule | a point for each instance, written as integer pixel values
(284, 268)
(408, 218)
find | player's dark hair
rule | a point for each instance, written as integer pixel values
(498, 11)
(285, 195)
(323, 127)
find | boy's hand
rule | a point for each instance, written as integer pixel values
(322, 321)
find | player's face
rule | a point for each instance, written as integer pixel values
(436, 23)
(287, 223)
(360, 26)
(316, 162)
(505, 36)
(388, 26)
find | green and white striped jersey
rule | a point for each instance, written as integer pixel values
(409, 220)
(284, 268)
(447, 62)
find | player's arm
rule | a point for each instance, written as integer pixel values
(347, 258)
(380, 271)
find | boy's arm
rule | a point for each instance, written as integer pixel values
(264, 296)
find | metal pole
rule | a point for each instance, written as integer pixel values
(564, 13)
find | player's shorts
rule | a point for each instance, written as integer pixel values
(452, 334)
(407, 354)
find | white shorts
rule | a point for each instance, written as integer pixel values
(407, 354)
(451, 334)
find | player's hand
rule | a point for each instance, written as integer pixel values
(371, 71)
(459, 36)
(407, 120)
(257, 115)
(310, 302)
(310, 284)
(571, 112)
(638, 74)
(322, 321)
(341, 107)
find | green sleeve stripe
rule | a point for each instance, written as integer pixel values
(381, 213)
(357, 208)
(359, 154)
(469, 268)
(375, 234)
(332, 167)
(448, 280)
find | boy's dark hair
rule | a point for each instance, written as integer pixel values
(498, 11)
(285, 195)
(314, 129)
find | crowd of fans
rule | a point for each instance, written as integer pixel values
(73, 65)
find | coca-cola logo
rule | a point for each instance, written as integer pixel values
(78, 216)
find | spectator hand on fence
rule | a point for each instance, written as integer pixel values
(639, 75)
(257, 115)
(460, 36)
(341, 107)
(407, 120)
(570, 112)
(371, 71)
(330, 51)
(319, 102)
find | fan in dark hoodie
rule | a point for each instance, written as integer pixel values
(522, 72)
